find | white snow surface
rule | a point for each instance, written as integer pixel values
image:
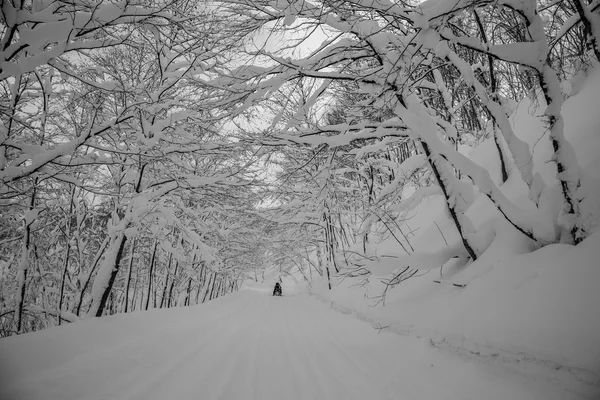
(517, 301)
(247, 345)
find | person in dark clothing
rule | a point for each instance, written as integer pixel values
(277, 289)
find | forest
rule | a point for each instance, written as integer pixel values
(159, 153)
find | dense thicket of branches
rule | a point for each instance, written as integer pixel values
(157, 153)
(118, 179)
(387, 99)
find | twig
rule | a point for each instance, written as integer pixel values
(453, 284)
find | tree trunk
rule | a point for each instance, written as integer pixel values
(503, 169)
(135, 288)
(213, 292)
(328, 276)
(564, 155)
(113, 275)
(172, 284)
(569, 173)
(223, 286)
(210, 288)
(331, 245)
(62, 282)
(67, 253)
(452, 211)
(154, 295)
(323, 265)
(24, 262)
(150, 274)
(110, 303)
(207, 286)
(164, 293)
(484, 38)
(129, 268)
(189, 290)
(89, 277)
(201, 279)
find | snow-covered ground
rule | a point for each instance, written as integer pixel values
(518, 302)
(248, 346)
(520, 322)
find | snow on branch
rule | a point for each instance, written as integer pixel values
(11, 174)
(416, 198)
(533, 224)
(48, 32)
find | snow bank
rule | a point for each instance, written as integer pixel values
(541, 304)
(518, 299)
(33, 353)
(247, 346)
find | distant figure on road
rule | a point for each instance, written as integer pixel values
(277, 289)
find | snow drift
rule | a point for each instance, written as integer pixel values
(517, 298)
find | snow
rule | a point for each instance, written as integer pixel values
(422, 261)
(247, 345)
(101, 280)
(31, 215)
(581, 121)
(536, 307)
(519, 150)
(45, 157)
(526, 53)
(422, 125)
(523, 304)
(416, 198)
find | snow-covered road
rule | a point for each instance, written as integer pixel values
(246, 346)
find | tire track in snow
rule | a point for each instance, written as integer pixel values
(337, 379)
(251, 346)
(301, 337)
(242, 356)
(306, 382)
(171, 360)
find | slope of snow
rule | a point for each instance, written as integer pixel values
(531, 303)
(582, 122)
(246, 346)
